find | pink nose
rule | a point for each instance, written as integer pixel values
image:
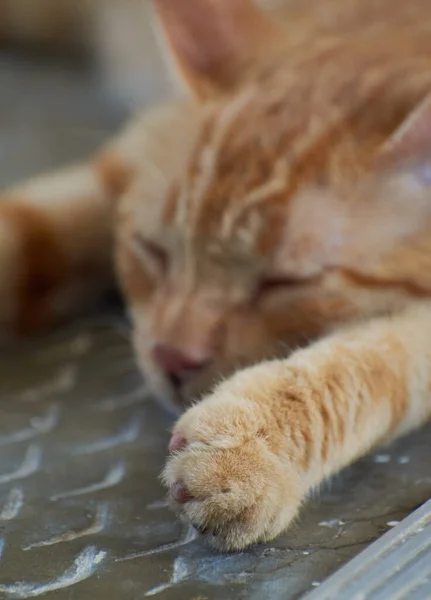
(176, 364)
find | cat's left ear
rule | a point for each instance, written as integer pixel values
(411, 142)
(213, 42)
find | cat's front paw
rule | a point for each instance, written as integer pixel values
(229, 475)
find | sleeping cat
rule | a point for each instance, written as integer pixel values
(285, 204)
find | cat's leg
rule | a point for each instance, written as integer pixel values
(246, 456)
(56, 239)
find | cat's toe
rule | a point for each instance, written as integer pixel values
(225, 480)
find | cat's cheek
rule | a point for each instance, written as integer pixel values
(136, 283)
(247, 337)
(296, 318)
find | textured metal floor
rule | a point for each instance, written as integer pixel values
(81, 508)
(396, 567)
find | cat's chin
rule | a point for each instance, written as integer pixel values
(176, 397)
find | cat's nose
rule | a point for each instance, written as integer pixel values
(177, 365)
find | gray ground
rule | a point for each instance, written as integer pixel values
(81, 508)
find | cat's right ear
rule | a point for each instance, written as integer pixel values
(213, 42)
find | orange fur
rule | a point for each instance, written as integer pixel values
(289, 198)
(41, 262)
(113, 173)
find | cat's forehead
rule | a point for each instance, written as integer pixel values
(253, 150)
(236, 173)
(232, 166)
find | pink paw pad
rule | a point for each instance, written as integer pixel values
(180, 493)
(178, 442)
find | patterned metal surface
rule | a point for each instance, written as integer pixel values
(83, 514)
(398, 566)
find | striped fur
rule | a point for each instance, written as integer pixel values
(290, 197)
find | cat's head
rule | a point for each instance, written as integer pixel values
(258, 221)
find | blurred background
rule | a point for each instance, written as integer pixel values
(70, 72)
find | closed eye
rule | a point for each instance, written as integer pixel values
(155, 252)
(275, 284)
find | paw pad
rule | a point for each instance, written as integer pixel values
(180, 493)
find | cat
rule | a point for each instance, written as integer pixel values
(277, 220)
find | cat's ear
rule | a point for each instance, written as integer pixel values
(213, 41)
(411, 142)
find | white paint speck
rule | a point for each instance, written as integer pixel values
(392, 523)
(99, 557)
(315, 583)
(382, 458)
(12, 505)
(159, 588)
(305, 553)
(331, 523)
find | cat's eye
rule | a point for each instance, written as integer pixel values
(154, 251)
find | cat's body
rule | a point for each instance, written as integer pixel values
(293, 196)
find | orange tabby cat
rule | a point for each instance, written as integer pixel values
(289, 197)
